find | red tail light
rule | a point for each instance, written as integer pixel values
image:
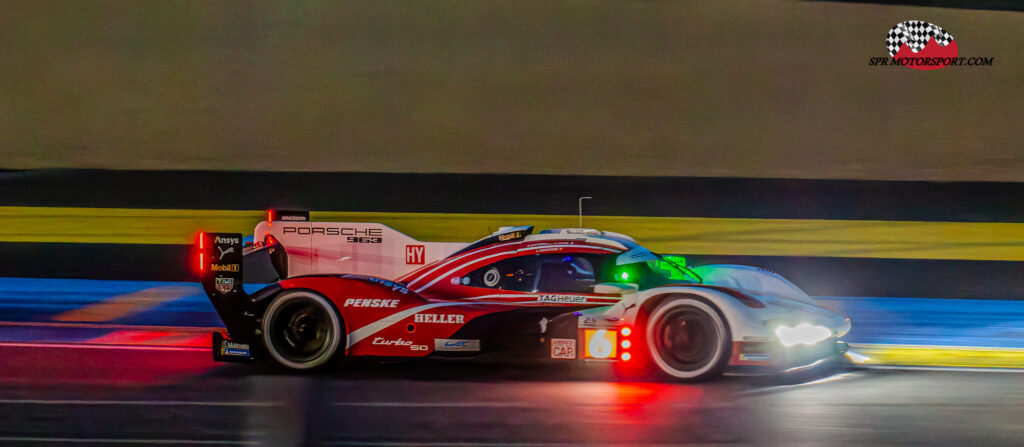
(624, 332)
(202, 246)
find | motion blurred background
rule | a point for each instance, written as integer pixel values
(772, 89)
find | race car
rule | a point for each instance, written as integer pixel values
(346, 290)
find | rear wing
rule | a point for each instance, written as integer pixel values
(288, 244)
(220, 259)
(224, 261)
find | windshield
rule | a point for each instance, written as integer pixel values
(673, 267)
(647, 269)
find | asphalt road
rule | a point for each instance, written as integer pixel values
(101, 396)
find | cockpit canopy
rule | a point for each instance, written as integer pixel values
(580, 272)
(566, 271)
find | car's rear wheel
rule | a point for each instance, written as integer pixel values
(302, 330)
(688, 340)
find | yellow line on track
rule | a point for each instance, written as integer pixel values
(684, 235)
(944, 356)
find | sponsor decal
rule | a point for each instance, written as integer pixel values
(234, 349)
(561, 299)
(755, 357)
(225, 285)
(456, 280)
(224, 252)
(393, 285)
(224, 267)
(415, 254)
(923, 46)
(292, 218)
(465, 281)
(381, 341)
(510, 236)
(351, 302)
(549, 249)
(491, 277)
(336, 231)
(445, 344)
(563, 348)
(226, 240)
(439, 318)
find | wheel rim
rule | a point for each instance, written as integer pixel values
(301, 330)
(686, 340)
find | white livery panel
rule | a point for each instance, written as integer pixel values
(371, 249)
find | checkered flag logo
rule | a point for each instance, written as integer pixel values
(915, 33)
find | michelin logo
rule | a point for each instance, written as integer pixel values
(234, 349)
(446, 344)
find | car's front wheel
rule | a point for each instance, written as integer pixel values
(688, 339)
(302, 329)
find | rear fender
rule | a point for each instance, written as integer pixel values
(360, 300)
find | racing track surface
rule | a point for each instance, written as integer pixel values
(72, 395)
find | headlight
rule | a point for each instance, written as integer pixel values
(802, 334)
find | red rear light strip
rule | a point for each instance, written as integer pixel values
(625, 344)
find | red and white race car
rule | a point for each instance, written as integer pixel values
(577, 295)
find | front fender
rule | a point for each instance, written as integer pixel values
(746, 322)
(743, 321)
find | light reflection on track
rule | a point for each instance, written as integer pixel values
(66, 395)
(47, 364)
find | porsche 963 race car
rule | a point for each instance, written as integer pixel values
(342, 290)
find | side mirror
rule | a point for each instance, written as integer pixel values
(617, 288)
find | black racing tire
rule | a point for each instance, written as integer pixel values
(302, 330)
(688, 340)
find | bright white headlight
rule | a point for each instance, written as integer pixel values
(802, 334)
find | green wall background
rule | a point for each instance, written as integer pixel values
(739, 89)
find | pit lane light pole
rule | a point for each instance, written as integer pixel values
(581, 209)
